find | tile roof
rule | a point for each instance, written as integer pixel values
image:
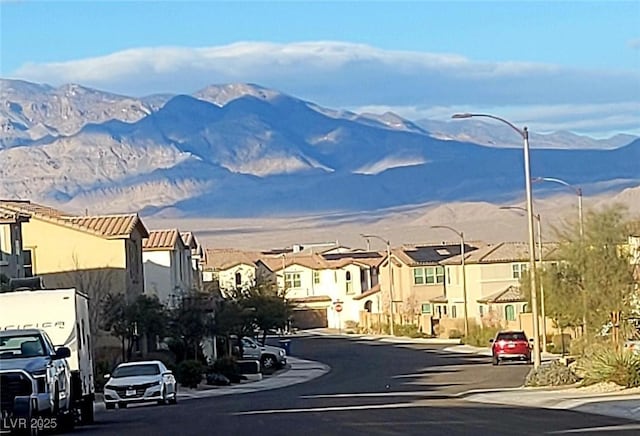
(8, 216)
(225, 258)
(512, 294)
(366, 294)
(504, 252)
(189, 239)
(439, 299)
(369, 258)
(107, 226)
(161, 240)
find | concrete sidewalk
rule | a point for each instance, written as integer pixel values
(297, 371)
(382, 338)
(621, 404)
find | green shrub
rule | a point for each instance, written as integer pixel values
(551, 374)
(479, 336)
(189, 373)
(609, 365)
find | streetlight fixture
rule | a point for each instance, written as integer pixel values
(524, 133)
(543, 312)
(576, 189)
(388, 244)
(464, 276)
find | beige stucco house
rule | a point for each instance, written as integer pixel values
(11, 244)
(198, 258)
(328, 289)
(493, 273)
(168, 268)
(417, 278)
(95, 254)
(230, 269)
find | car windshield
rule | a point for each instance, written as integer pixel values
(136, 370)
(21, 346)
(511, 336)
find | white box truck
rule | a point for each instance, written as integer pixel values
(64, 315)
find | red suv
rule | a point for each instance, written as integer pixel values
(510, 345)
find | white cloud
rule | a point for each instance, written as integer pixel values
(339, 75)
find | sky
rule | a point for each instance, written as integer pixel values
(549, 65)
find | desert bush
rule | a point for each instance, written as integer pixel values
(610, 365)
(410, 330)
(189, 373)
(480, 336)
(455, 334)
(551, 374)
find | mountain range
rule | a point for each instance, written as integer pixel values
(243, 150)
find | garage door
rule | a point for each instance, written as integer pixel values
(310, 318)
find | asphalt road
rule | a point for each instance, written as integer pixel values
(374, 388)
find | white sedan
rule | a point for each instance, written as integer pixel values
(140, 382)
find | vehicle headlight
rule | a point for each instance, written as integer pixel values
(281, 352)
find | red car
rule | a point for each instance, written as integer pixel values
(510, 345)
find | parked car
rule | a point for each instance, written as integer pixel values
(510, 345)
(270, 357)
(140, 382)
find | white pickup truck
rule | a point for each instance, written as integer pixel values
(64, 315)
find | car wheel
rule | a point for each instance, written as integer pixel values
(164, 397)
(86, 412)
(174, 399)
(268, 362)
(495, 360)
(109, 406)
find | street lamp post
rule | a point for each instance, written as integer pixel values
(577, 190)
(388, 244)
(464, 276)
(543, 311)
(524, 133)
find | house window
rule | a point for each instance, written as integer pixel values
(349, 287)
(428, 275)
(27, 262)
(525, 308)
(292, 281)
(519, 269)
(454, 312)
(510, 312)
(316, 277)
(238, 279)
(426, 308)
(481, 308)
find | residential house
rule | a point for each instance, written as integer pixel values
(198, 258)
(230, 269)
(98, 254)
(328, 289)
(11, 243)
(168, 266)
(493, 273)
(418, 278)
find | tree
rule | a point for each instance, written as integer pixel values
(191, 322)
(145, 317)
(593, 284)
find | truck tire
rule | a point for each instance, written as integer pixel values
(86, 412)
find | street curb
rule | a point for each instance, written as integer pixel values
(391, 339)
